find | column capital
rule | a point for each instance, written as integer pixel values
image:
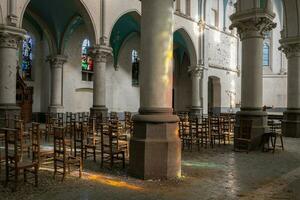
(290, 46)
(11, 37)
(57, 61)
(100, 53)
(253, 24)
(196, 71)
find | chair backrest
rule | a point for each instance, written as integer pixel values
(59, 142)
(12, 147)
(245, 129)
(35, 141)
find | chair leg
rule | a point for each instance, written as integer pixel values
(80, 168)
(123, 160)
(25, 175)
(274, 145)
(36, 174)
(94, 150)
(281, 140)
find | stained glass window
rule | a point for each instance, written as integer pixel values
(135, 68)
(86, 60)
(267, 49)
(27, 58)
(266, 54)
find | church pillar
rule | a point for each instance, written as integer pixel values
(10, 40)
(56, 63)
(291, 122)
(196, 74)
(251, 30)
(155, 146)
(99, 54)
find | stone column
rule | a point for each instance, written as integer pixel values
(155, 146)
(56, 63)
(251, 30)
(99, 54)
(10, 40)
(196, 76)
(291, 122)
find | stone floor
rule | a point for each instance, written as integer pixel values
(216, 173)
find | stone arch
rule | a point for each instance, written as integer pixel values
(60, 22)
(34, 18)
(214, 95)
(183, 40)
(124, 26)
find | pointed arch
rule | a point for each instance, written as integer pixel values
(183, 39)
(127, 24)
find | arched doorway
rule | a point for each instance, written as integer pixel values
(214, 95)
(184, 57)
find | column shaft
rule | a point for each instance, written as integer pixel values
(10, 40)
(196, 74)
(56, 64)
(100, 54)
(157, 54)
(251, 30)
(252, 57)
(155, 146)
(291, 121)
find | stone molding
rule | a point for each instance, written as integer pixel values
(57, 61)
(11, 37)
(100, 53)
(253, 24)
(196, 71)
(290, 46)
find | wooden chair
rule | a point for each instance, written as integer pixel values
(14, 163)
(185, 133)
(225, 128)
(204, 132)
(79, 133)
(23, 143)
(242, 140)
(215, 129)
(128, 123)
(92, 140)
(275, 133)
(39, 154)
(63, 158)
(110, 152)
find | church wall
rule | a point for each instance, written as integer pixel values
(40, 70)
(77, 94)
(221, 61)
(120, 94)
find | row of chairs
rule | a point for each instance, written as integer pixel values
(205, 131)
(72, 143)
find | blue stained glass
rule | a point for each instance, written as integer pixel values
(27, 58)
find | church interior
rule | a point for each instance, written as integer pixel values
(154, 100)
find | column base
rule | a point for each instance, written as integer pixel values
(155, 148)
(259, 127)
(10, 109)
(56, 109)
(196, 112)
(99, 110)
(291, 123)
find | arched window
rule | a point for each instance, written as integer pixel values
(87, 64)
(267, 50)
(135, 68)
(27, 58)
(266, 55)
